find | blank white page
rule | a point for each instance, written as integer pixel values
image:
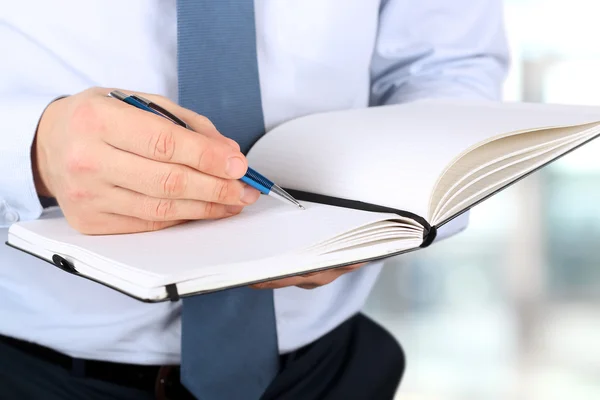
(393, 155)
(266, 229)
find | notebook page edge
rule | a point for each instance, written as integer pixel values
(449, 216)
(524, 153)
(476, 146)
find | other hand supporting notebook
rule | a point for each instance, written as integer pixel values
(376, 182)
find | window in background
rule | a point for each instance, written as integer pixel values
(510, 309)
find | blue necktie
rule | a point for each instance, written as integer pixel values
(229, 338)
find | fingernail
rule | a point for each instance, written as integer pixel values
(249, 195)
(234, 209)
(236, 167)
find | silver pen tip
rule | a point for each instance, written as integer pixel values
(300, 206)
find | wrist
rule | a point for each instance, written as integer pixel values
(40, 185)
(38, 155)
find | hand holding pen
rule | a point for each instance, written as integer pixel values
(251, 177)
(114, 168)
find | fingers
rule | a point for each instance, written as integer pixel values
(308, 281)
(170, 181)
(197, 122)
(125, 202)
(323, 278)
(150, 136)
(117, 169)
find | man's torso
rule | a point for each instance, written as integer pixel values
(313, 55)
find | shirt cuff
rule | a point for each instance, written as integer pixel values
(18, 196)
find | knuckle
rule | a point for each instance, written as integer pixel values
(74, 194)
(162, 145)
(209, 209)
(221, 191)
(206, 158)
(164, 209)
(86, 116)
(78, 160)
(173, 183)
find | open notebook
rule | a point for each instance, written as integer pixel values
(376, 182)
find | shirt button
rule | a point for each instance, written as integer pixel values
(7, 216)
(10, 217)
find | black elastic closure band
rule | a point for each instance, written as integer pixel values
(429, 232)
(63, 264)
(429, 236)
(172, 292)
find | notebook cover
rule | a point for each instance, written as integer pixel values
(173, 294)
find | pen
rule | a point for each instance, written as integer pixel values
(251, 178)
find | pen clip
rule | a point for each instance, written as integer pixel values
(143, 103)
(161, 111)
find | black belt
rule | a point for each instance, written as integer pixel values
(161, 380)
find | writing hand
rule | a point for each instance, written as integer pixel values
(116, 169)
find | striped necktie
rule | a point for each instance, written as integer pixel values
(229, 339)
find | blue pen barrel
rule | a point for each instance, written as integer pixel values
(257, 181)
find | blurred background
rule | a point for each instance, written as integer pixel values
(510, 309)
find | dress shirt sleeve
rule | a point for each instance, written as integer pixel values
(439, 49)
(19, 116)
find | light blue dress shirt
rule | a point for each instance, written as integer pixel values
(314, 55)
